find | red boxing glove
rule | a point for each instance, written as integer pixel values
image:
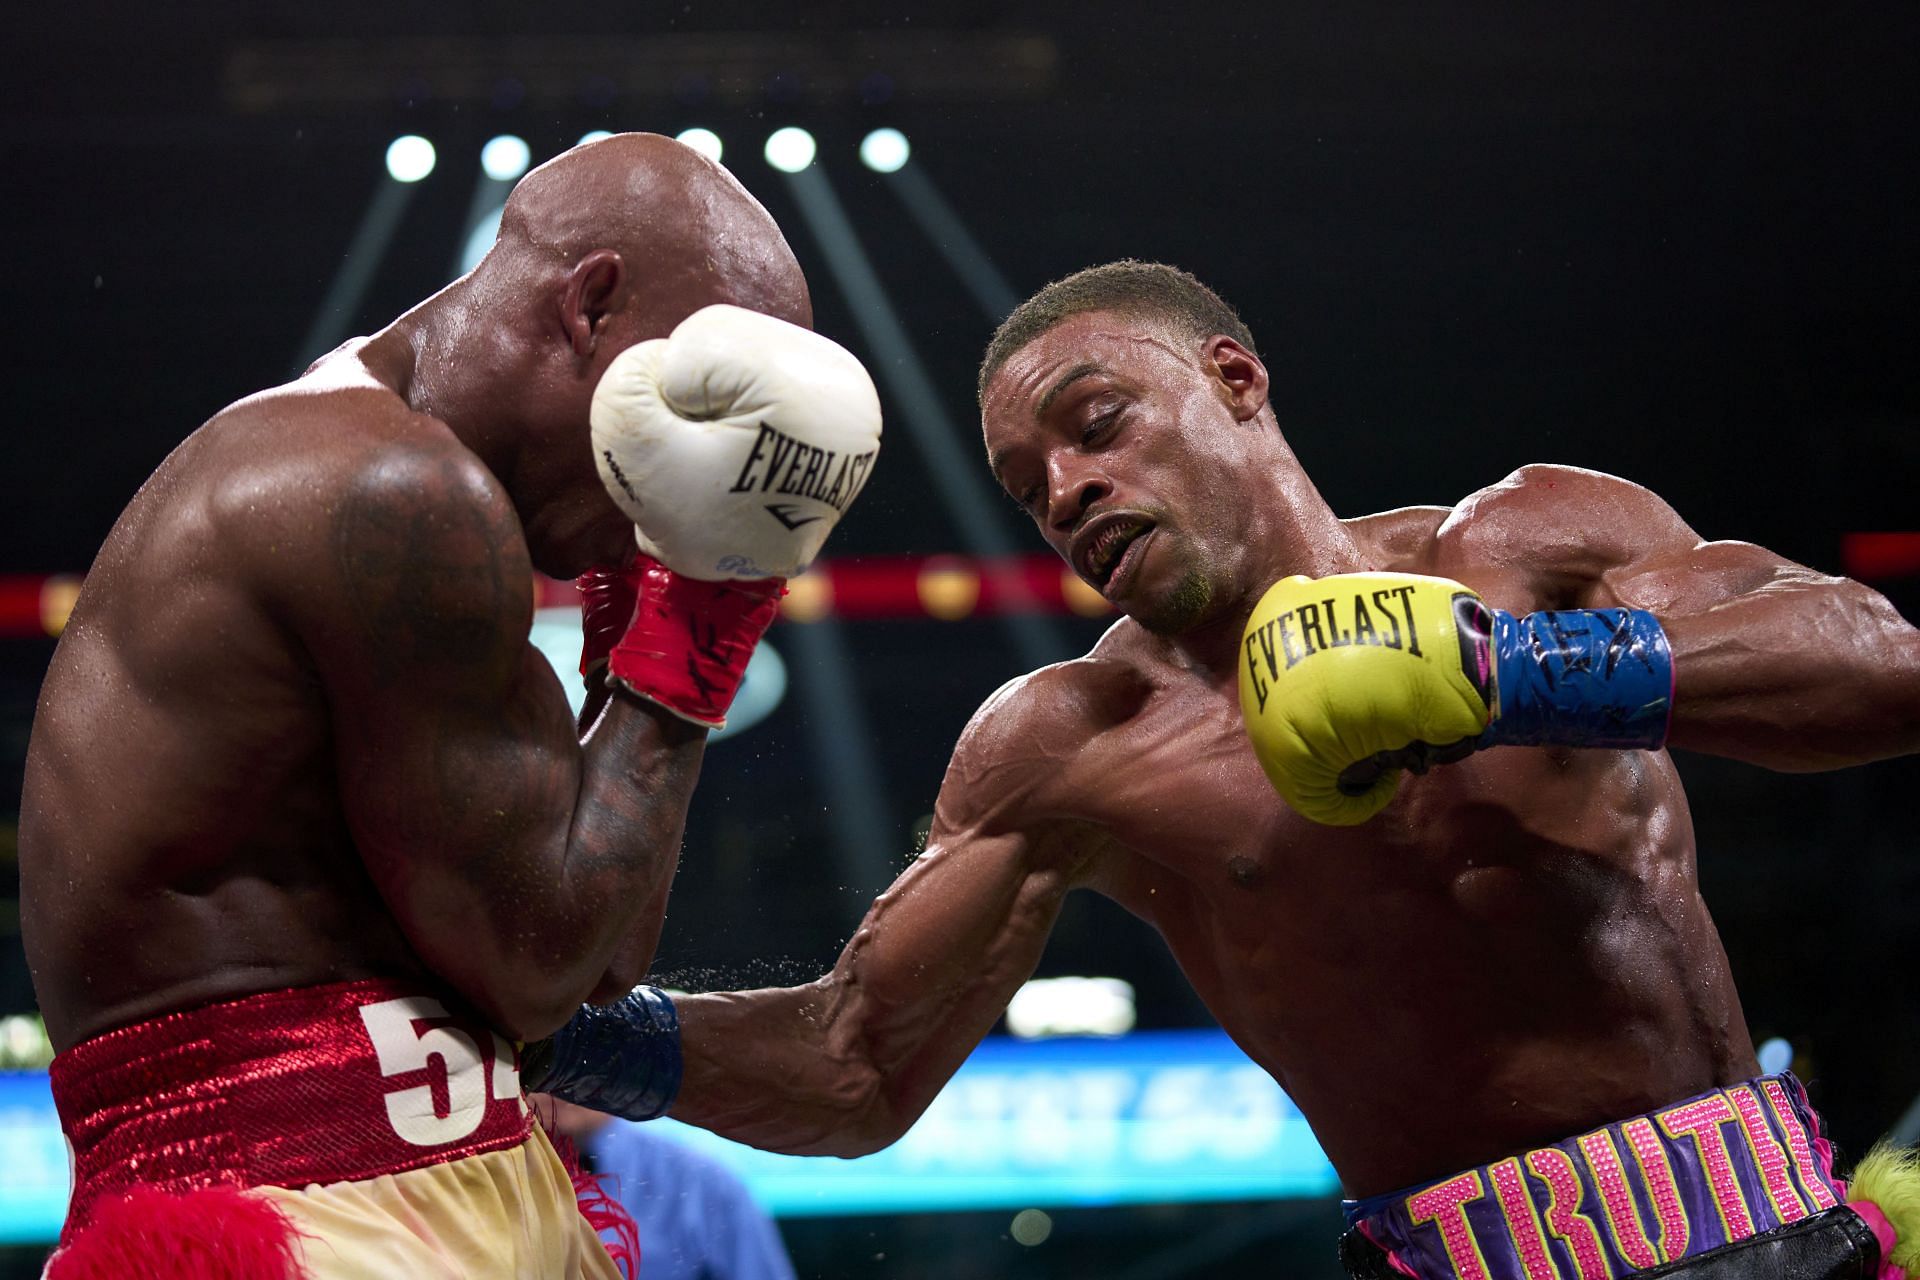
(688, 644)
(607, 598)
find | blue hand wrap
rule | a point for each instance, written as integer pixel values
(1581, 678)
(622, 1058)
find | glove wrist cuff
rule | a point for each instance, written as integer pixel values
(607, 597)
(622, 1058)
(1581, 678)
(690, 640)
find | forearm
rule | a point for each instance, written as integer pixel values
(568, 856)
(845, 1065)
(640, 768)
(1798, 676)
(605, 908)
(784, 1069)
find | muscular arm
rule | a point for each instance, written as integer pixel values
(845, 1065)
(518, 860)
(1774, 664)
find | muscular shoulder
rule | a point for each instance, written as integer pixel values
(1563, 523)
(1022, 744)
(413, 481)
(355, 507)
(1052, 710)
(337, 440)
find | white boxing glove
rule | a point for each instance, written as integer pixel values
(736, 443)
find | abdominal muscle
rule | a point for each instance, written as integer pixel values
(1513, 952)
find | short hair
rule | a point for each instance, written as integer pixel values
(1143, 290)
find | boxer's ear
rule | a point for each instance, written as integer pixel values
(1239, 376)
(593, 291)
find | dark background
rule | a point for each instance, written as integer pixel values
(1677, 244)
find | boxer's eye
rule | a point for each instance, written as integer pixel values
(1099, 426)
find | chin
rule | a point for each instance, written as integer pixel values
(1187, 604)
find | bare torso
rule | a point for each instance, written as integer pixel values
(1512, 952)
(182, 813)
(1515, 950)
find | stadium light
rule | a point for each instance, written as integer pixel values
(505, 158)
(705, 141)
(790, 149)
(410, 158)
(953, 241)
(885, 150)
(1071, 1007)
(592, 135)
(1030, 1227)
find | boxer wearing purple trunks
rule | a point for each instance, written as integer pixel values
(1737, 1182)
(1492, 966)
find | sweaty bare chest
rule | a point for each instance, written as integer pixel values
(1179, 786)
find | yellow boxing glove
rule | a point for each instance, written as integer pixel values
(1334, 670)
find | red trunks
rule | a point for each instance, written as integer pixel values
(286, 1088)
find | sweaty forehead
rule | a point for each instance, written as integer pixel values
(1097, 341)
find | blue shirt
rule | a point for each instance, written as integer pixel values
(697, 1220)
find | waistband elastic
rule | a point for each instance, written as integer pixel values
(1706, 1172)
(287, 1088)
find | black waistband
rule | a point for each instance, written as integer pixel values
(1835, 1245)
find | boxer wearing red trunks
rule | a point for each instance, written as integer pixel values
(386, 1127)
(309, 838)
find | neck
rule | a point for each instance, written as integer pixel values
(1290, 530)
(444, 363)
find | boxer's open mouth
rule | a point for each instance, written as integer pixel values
(1101, 547)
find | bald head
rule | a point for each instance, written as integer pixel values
(611, 244)
(688, 232)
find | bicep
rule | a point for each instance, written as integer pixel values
(845, 1065)
(453, 741)
(970, 909)
(1774, 663)
(451, 799)
(1584, 539)
(975, 908)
